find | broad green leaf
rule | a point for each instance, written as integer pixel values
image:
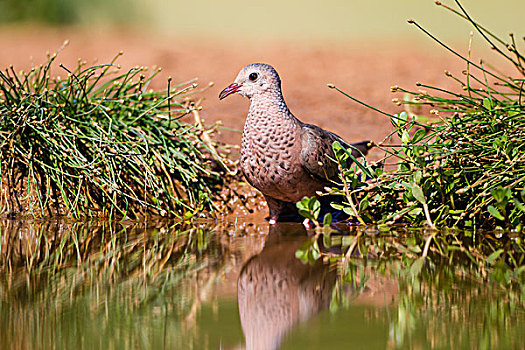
(487, 103)
(405, 138)
(494, 256)
(363, 204)
(349, 211)
(306, 214)
(303, 203)
(519, 205)
(419, 135)
(327, 220)
(417, 192)
(316, 208)
(495, 213)
(309, 208)
(416, 267)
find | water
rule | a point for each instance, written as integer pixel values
(228, 285)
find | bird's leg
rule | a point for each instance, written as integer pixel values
(308, 224)
(275, 207)
(281, 211)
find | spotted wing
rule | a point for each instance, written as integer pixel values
(317, 154)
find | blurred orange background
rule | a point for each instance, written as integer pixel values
(362, 47)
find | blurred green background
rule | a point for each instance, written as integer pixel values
(382, 20)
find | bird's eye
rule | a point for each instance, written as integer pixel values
(253, 76)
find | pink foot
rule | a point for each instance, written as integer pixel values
(308, 224)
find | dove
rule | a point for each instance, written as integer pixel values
(282, 157)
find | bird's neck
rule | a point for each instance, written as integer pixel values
(266, 108)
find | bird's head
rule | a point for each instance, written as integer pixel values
(253, 80)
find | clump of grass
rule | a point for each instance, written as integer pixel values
(100, 142)
(463, 166)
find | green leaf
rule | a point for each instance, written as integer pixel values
(309, 208)
(407, 185)
(487, 103)
(416, 267)
(415, 249)
(349, 211)
(316, 208)
(327, 220)
(405, 138)
(306, 214)
(495, 213)
(494, 256)
(419, 135)
(519, 205)
(337, 146)
(363, 204)
(303, 203)
(417, 192)
(501, 194)
(418, 175)
(337, 206)
(316, 253)
(415, 211)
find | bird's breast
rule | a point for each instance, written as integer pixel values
(270, 160)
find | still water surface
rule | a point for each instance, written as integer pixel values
(230, 286)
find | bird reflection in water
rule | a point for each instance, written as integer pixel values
(276, 290)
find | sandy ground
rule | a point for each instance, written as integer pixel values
(365, 70)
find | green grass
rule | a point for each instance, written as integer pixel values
(458, 173)
(100, 142)
(461, 166)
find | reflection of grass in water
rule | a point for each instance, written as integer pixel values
(482, 258)
(437, 309)
(106, 285)
(452, 297)
(101, 281)
(101, 142)
(113, 251)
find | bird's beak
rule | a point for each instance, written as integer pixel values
(230, 89)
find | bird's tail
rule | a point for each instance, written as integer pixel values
(361, 148)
